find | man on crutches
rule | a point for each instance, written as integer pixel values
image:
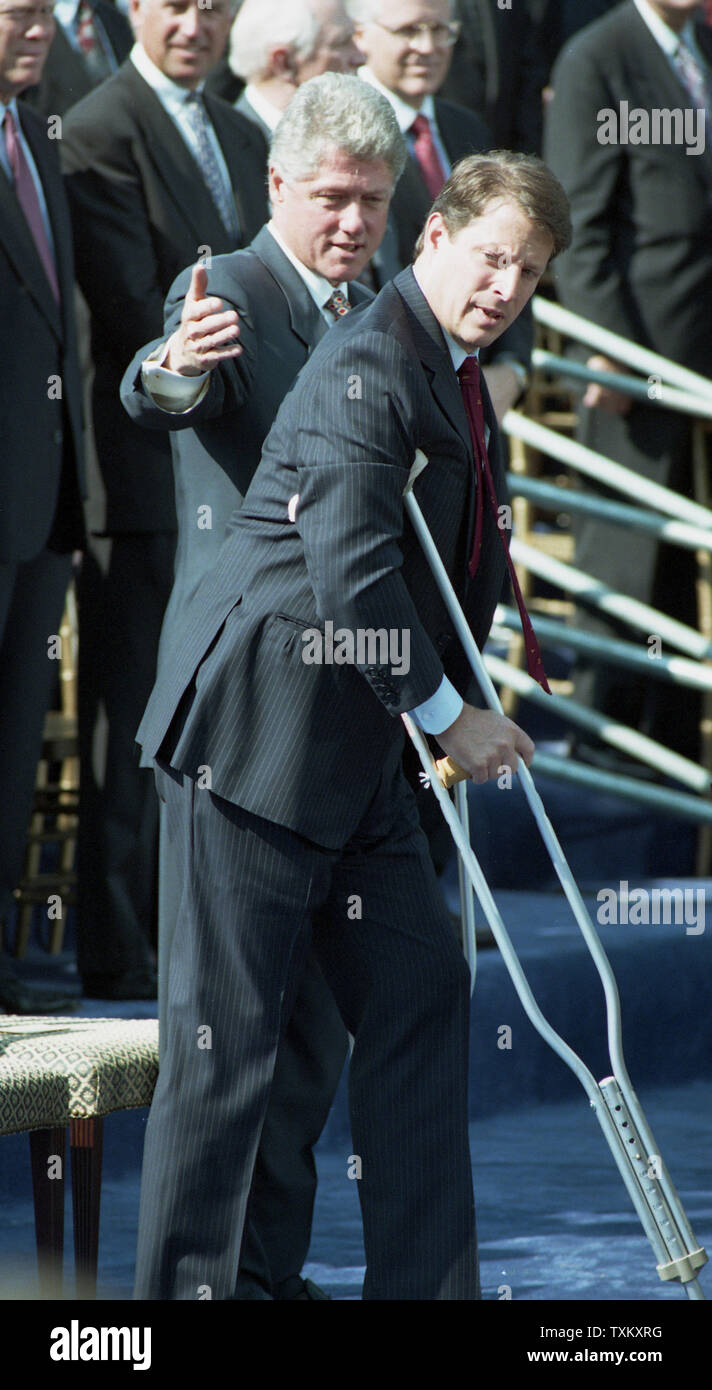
(277, 738)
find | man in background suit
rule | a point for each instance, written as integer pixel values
(275, 297)
(275, 47)
(305, 829)
(499, 70)
(92, 38)
(41, 480)
(640, 264)
(408, 47)
(156, 177)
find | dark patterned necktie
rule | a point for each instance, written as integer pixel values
(29, 201)
(469, 376)
(427, 156)
(693, 78)
(224, 202)
(337, 304)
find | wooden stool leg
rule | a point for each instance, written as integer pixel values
(86, 1139)
(47, 1149)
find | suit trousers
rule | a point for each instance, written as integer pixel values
(32, 597)
(122, 593)
(256, 896)
(309, 1062)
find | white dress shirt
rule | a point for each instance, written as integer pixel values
(265, 109)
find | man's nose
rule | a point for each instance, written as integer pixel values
(507, 281)
(190, 22)
(352, 218)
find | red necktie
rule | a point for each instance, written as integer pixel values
(427, 156)
(29, 201)
(469, 376)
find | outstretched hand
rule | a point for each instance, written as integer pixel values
(206, 334)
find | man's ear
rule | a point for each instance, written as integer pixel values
(276, 184)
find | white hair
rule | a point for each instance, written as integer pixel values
(366, 11)
(262, 25)
(336, 112)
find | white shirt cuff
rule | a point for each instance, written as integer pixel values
(169, 390)
(440, 711)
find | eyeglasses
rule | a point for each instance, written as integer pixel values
(34, 14)
(442, 35)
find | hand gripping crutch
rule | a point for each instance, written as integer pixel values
(620, 1115)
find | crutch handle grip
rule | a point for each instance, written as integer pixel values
(450, 772)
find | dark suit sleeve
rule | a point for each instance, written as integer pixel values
(231, 383)
(356, 444)
(593, 176)
(116, 263)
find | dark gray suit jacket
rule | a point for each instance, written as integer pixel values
(141, 211)
(640, 262)
(42, 437)
(304, 744)
(216, 446)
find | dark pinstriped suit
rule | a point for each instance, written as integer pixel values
(216, 447)
(309, 830)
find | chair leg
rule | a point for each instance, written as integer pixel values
(47, 1150)
(86, 1140)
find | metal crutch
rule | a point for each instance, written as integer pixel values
(614, 1101)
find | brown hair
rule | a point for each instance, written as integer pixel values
(503, 175)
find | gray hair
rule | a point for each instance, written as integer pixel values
(263, 25)
(336, 112)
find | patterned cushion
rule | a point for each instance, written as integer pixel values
(53, 1070)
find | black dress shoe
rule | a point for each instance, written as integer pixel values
(133, 984)
(19, 998)
(297, 1289)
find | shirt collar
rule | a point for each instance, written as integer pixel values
(666, 37)
(319, 288)
(404, 114)
(169, 91)
(266, 110)
(66, 12)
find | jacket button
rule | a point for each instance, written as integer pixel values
(58, 436)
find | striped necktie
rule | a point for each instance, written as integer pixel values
(224, 202)
(469, 377)
(28, 199)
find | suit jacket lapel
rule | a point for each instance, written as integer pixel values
(174, 164)
(18, 240)
(435, 356)
(307, 323)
